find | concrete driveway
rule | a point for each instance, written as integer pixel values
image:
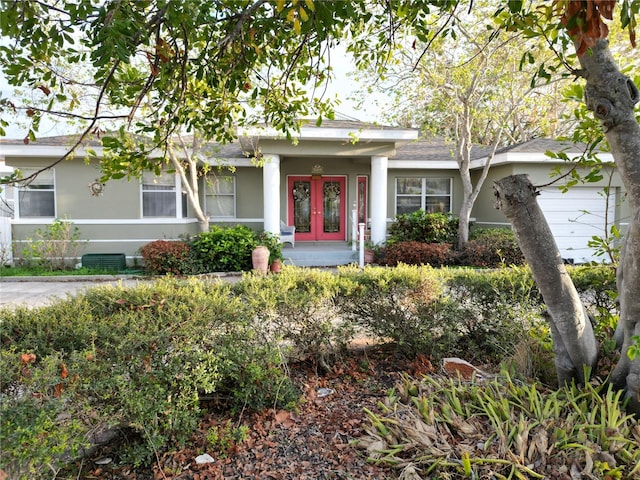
(31, 292)
(40, 291)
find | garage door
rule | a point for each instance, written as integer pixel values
(576, 216)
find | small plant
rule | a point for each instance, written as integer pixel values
(55, 248)
(540, 430)
(222, 438)
(607, 246)
(272, 242)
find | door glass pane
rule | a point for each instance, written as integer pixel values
(302, 206)
(331, 207)
(362, 200)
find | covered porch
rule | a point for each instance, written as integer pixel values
(314, 180)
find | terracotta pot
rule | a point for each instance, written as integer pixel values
(260, 259)
(369, 256)
(276, 266)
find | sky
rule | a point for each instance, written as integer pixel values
(342, 87)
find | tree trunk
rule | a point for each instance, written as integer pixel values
(189, 177)
(463, 221)
(612, 97)
(574, 342)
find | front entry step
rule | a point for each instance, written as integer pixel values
(319, 254)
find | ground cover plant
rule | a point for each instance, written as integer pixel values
(34, 271)
(307, 374)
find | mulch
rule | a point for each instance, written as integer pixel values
(316, 440)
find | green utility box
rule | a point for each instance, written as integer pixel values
(105, 261)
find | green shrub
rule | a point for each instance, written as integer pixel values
(596, 285)
(224, 249)
(38, 427)
(496, 309)
(56, 247)
(391, 304)
(136, 358)
(417, 253)
(143, 359)
(491, 247)
(420, 226)
(298, 306)
(162, 257)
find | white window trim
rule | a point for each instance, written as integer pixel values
(18, 189)
(423, 195)
(178, 199)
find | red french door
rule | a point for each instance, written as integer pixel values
(317, 207)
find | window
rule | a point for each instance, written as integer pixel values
(433, 195)
(221, 196)
(36, 197)
(159, 197)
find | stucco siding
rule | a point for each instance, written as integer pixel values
(249, 193)
(112, 237)
(484, 211)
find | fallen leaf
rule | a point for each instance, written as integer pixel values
(26, 358)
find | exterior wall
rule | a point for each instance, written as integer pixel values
(113, 237)
(484, 211)
(111, 221)
(248, 197)
(489, 216)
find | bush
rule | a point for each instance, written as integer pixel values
(420, 226)
(417, 253)
(55, 248)
(162, 257)
(491, 247)
(144, 359)
(298, 307)
(391, 304)
(140, 359)
(494, 311)
(224, 249)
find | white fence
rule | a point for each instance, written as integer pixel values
(6, 256)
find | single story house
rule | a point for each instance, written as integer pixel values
(324, 180)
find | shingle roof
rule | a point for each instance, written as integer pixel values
(56, 141)
(350, 124)
(436, 148)
(543, 145)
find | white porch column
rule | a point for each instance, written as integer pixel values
(378, 202)
(271, 193)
